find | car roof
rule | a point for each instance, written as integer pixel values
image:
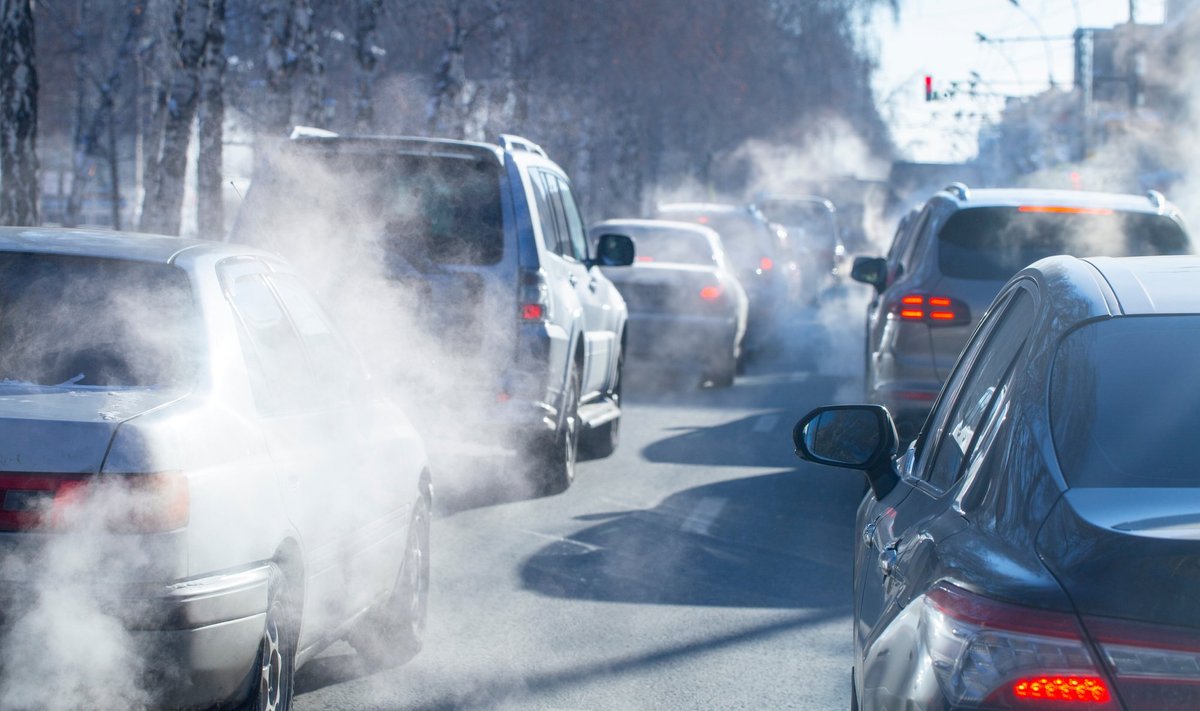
(713, 207)
(108, 244)
(1152, 285)
(644, 225)
(413, 145)
(1013, 197)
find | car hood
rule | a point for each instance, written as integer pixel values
(1127, 553)
(66, 430)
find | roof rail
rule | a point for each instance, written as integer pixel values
(510, 142)
(1157, 199)
(958, 190)
(310, 132)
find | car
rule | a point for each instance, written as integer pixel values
(761, 261)
(193, 454)
(948, 260)
(816, 240)
(1036, 545)
(687, 310)
(491, 246)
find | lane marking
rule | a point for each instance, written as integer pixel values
(587, 547)
(703, 515)
(766, 423)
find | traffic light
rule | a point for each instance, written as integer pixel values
(928, 88)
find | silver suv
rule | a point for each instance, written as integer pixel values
(949, 259)
(489, 242)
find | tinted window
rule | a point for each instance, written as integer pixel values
(745, 239)
(1125, 402)
(279, 372)
(547, 214)
(994, 243)
(574, 221)
(973, 400)
(334, 365)
(423, 209)
(77, 321)
(810, 224)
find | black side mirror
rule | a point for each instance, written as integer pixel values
(853, 437)
(870, 270)
(614, 251)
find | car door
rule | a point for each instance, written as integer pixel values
(900, 534)
(595, 294)
(897, 260)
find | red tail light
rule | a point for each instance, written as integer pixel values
(710, 293)
(1062, 210)
(992, 653)
(534, 296)
(766, 264)
(134, 503)
(935, 310)
(643, 258)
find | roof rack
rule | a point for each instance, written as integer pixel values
(510, 142)
(1157, 199)
(958, 190)
(310, 132)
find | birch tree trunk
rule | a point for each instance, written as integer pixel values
(210, 131)
(279, 62)
(308, 52)
(164, 198)
(83, 148)
(366, 21)
(19, 183)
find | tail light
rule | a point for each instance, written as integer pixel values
(710, 293)
(766, 264)
(534, 296)
(1156, 668)
(933, 310)
(133, 503)
(986, 652)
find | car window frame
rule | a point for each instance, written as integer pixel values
(547, 222)
(576, 231)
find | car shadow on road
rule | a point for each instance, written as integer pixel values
(782, 540)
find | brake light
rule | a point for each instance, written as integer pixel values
(644, 258)
(534, 296)
(710, 293)
(1062, 210)
(931, 309)
(984, 651)
(766, 264)
(132, 503)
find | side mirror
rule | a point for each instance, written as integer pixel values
(870, 270)
(614, 251)
(853, 437)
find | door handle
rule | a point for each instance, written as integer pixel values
(593, 284)
(869, 535)
(887, 561)
(573, 279)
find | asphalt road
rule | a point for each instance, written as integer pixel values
(701, 566)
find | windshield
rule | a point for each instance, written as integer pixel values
(1125, 396)
(426, 210)
(75, 321)
(675, 247)
(745, 239)
(809, 224)
(993, 243)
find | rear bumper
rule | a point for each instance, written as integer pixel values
(669, 340)
(195, 641)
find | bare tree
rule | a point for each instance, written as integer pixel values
(279, 63)
(164, 196)
(367, 53)
(308, 52)
(19, 182)
(210, 130)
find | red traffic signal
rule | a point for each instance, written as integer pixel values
(928, 88)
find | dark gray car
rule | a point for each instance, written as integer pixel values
(1038, 545)
(948, 261)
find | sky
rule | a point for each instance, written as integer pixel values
(938, 38)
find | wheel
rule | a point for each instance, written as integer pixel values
(272, 680)
(556, 461)
(394, 633)
(602, 441)
(722, 373)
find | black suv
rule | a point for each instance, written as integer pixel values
(523, 335)
(949, 259)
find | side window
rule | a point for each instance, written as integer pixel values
(335, 366)
(574, 221)
(554, 197)
(546, 218)
(271, 348)
(972, 401)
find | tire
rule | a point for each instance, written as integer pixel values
(722, 373)
(272, 680)
(394, 633)
(555, 463)
(602, 441)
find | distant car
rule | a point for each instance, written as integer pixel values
(814, 235)
(491, 243)
(760, 258)
(687, 310)
(183, 419)
(1037, 545)
(949, 259)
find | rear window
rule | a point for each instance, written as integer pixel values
(424, 210)
(77, 322)
(674, 247)
(809, 223)
(1125, 402)
(745, 239)
(993, 243)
